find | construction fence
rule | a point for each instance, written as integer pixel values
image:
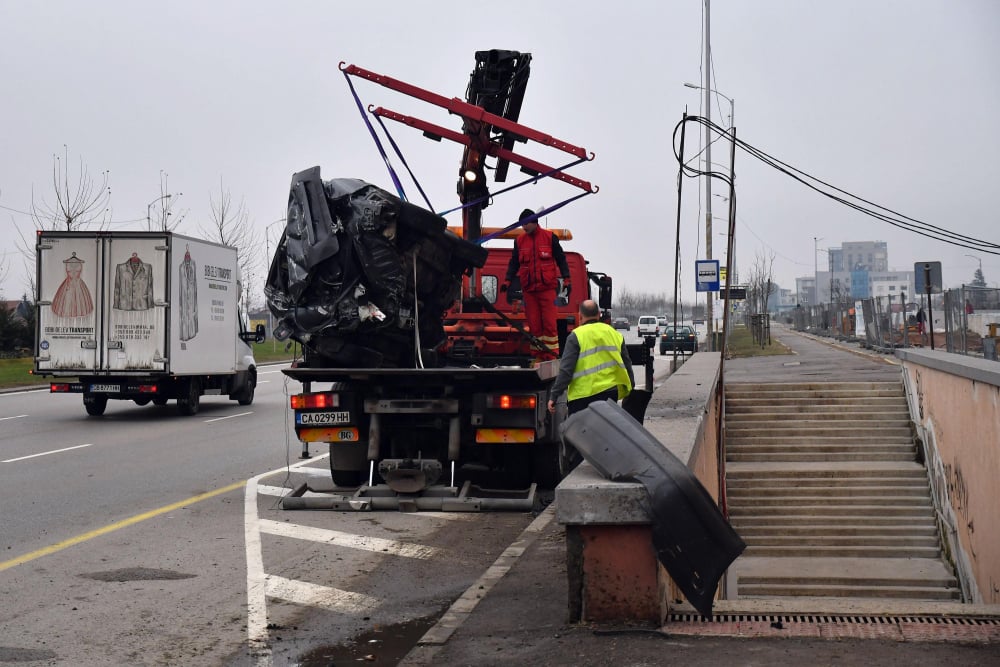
(965, 320)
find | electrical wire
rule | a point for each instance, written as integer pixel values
(834, 193)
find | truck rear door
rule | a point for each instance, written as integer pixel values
(134, 299)
(69, 294)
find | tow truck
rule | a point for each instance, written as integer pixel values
(439, 403)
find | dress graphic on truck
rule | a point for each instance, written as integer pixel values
(72, 299)
(188, 295)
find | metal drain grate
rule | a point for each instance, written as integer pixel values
(817, 618)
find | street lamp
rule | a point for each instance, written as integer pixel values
(708, 183)
(980, 263)
(816, 241)
(149, 206)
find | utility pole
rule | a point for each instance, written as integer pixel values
(707, 67)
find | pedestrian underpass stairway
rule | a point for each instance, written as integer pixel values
(825, 487)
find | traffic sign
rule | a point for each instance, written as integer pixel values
(706, 275)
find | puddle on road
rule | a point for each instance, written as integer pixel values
(382, 645)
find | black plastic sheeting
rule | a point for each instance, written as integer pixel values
(362, 278)
(691, 537)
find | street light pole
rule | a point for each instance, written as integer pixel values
(149, 206)
(980, 263)
(815, 270)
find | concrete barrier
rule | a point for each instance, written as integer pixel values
(612, 571)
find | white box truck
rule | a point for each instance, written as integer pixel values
(141, 316)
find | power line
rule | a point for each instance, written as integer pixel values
(848, 199)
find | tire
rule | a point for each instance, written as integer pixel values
(159, 401)
(141, 401)
(189, 403)
(245, 397)
(95, 405)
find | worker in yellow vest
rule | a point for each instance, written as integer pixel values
(595, 365)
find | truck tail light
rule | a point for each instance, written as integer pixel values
(313, 401)
(57, 387)
(148, 389)
(511, 401)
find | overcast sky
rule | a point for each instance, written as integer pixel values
(895, 101)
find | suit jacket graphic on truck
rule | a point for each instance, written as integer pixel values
(133, 285)
(188, 292)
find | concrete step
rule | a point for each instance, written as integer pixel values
(859, 541)
(885, 417)
(820, 395)
(735, 484)
(834, 523)
(917, 578)
(817, 458)
(820, 551)
(750, 406)
(815, 529)
(787, 427)
(817, 447)
(914, 592)
(836, 470)
(820, 500)
(827, 509)
(792, 493)
(757, 387)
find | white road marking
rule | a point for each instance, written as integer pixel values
(260, 372)
(349, 540)
(54, 451)
(256, 580)
(26, 391)
(304, 593)
(219, 419)
(14, 417)
(262, 381)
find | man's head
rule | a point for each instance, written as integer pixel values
(589, 311)
(531, 225)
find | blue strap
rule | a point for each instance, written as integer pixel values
(371, 130)
(402, 159)
(533, 179)
(531, 218)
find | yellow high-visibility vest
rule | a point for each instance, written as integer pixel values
(599, 366)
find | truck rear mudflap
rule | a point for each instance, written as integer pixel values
(468, 498)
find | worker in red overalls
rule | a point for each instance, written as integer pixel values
(538, 261)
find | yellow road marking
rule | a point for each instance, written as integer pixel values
(110, 528)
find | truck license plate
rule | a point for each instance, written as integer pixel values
(321, 418)
(105, 388)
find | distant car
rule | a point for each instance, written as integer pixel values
(661, 321)
(648, 326)
(621, 323)
(680, 338)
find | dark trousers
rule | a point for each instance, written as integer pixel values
(581, 403)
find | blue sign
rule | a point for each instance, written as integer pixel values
(706, 275)
(927, 273)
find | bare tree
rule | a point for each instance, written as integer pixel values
(231, 226)
(77, 201)
(760, 283)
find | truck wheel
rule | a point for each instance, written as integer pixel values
(95, 405)
(188, 403)
(245, 397)
(141, 401)
(159, 401)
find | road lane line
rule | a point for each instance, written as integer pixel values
(54, 451)
(26, 391)
(219, 419)
(257, 635)
(305, 593)
(349, 540)
(14, 417)
(110, 528)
